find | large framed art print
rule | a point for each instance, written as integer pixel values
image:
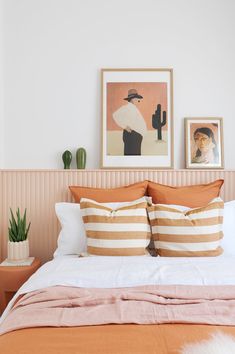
(137, 118)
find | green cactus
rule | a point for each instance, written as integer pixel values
(81, 158)
(159, 120)
(67, 158)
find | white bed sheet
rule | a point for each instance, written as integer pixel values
(116, 272)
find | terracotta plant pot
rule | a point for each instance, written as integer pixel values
(18, 251)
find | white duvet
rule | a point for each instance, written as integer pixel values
(115, 272)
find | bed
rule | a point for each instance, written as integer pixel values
(123, 273)
(137, 304)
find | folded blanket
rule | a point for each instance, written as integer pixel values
(69, 306)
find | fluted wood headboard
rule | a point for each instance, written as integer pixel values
(39, 190)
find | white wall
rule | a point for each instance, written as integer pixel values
(1, 88)
(54, 50)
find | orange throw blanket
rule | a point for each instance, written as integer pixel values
(61, 306)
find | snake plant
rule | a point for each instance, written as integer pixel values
(18, 231)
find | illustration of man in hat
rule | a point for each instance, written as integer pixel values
(129, 118)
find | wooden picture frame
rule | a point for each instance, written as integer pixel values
(204, 143)
(137, 118)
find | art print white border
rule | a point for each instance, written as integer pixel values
(137, 75)
(220, 143)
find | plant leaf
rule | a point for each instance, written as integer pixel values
(27, 230)
(13, 224)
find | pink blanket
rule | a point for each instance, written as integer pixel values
(68, 306)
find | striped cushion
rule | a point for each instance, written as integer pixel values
(193, 233)
(121, 232)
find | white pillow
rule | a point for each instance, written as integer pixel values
(72, 237)
(228, 241)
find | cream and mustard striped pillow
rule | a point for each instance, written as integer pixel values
(193, 233)
(121, 232)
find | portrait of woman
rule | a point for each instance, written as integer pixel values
(204, 142)
(207, 151)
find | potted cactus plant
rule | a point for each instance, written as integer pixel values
(18, 246)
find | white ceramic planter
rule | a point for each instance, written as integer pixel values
(18, 251)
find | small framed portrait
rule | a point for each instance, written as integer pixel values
(137, 118)
(204, 143)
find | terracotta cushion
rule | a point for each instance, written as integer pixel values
(104, 195)
(190, 196)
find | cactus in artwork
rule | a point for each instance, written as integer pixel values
(159, 120)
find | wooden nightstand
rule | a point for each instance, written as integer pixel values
(11, 279)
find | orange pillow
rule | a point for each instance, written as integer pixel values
(104, 195)
(191, 196)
